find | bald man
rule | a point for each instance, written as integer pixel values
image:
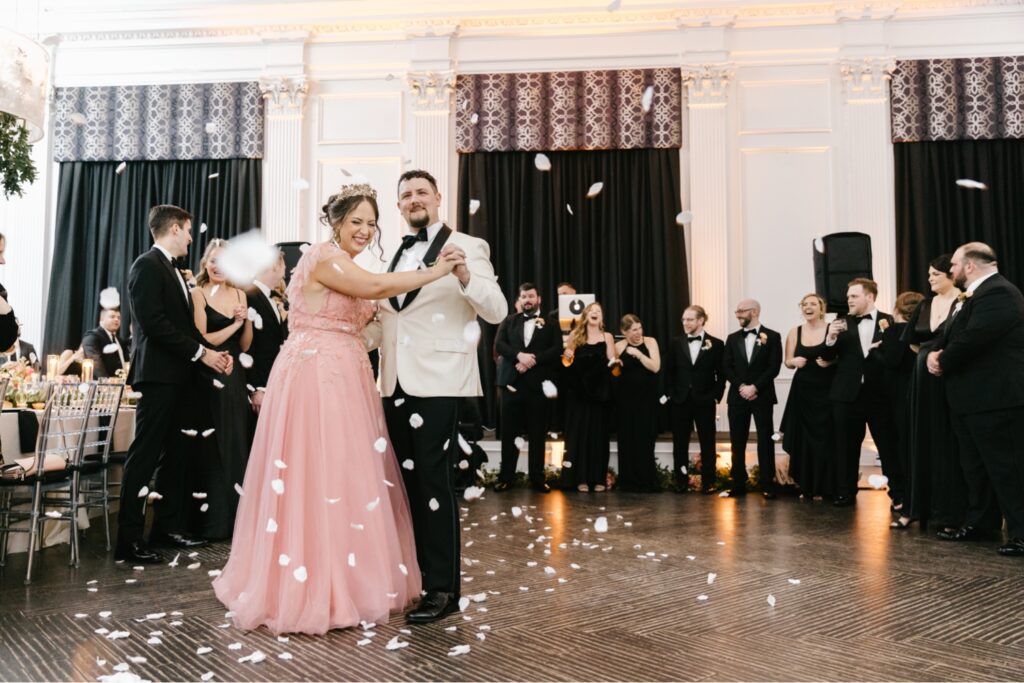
(981, 355)
(751, 362)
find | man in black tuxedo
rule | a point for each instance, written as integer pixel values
(860, 392)
(8, 323)
(695, 383)
(266, 341)
(162, 368)
(529, 346)
(981, 355)
(751, 361)
(21, 349)
(104, 347)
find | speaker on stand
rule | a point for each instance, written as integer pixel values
(839, 258)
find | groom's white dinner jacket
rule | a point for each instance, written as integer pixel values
(425, 342)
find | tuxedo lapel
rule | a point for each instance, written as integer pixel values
(435, 248)
(741, 350)
(175, 278)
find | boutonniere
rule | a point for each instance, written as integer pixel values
(539, 323)
(762, 339)
(707, 345)
(883, 324)
(964, 296)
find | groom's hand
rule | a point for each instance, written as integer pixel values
(460, 271)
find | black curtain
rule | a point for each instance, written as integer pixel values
(101, 228)
(623, 245)
(934, 216)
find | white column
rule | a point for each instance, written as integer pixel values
(282, 158)
(707, 89)
(431, 93)
(867, 185)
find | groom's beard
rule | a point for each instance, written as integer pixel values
(419, 223)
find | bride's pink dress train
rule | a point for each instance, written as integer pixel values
(323, 537)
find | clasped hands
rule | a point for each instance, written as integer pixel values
(933, 363)
(457, 258)
(748, 392)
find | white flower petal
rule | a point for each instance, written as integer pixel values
(283, 560)
(878, 481)
(190, 432)
(474, 206)
(301, 574)
(684, 218)
(971, 184)
(601, 525)
(647, 99)
(380, 445)
(121, 167)
(595, 190)
(300, 184)
(280, 464)
(434, 505)
(110, 298)
(372, 505)
(278, 486)
(408, 464)
(711, 577)
(271, 526)
(771, 600)
(550, 390)
(245, 360)
(143, 492)
(473, 492)
(351, 559)
(415, 421)
(207, 432)
(396, 644)
(458, 650)
(541, 162)
(217, 383)
(471, 332)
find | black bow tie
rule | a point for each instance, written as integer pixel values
(864, 317)
(693, 339)
(754, 331)
(531, 316)
(413, 238)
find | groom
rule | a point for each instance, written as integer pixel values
(428, 363)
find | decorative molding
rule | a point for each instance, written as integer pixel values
(431, 90)
(284, 92)
(866, 79)
(707, 84)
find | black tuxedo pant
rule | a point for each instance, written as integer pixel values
(850, 420)
(435, 452)
(684, 416)
(163, 411)
(992, 455)
(524, 411)
(739, 433)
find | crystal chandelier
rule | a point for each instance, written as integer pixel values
(24, 70)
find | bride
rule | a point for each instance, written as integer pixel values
(323, 537)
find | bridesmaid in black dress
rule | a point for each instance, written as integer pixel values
(936, 489)
(807, 421)
(590, 352)
(221, 316)
(637, 407)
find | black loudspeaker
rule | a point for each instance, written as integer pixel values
(839, 258)
(292, 253)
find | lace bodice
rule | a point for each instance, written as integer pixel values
(339, 312)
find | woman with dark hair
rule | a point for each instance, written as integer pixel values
(899, 358)
(589, 353)
(220, 314)
(936, 491)
(324, 537)
(637, 409)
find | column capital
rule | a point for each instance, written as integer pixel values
(866, 79)
(707, 84)
(284, 92)
(431, 90)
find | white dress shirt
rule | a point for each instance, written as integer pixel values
(749, 340)
(528, 329)
(266, 293)
(114, 340)
(866, 330)
(694, 348)
(412, 258)
(184, 290)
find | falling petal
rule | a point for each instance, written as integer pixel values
(207, 432)
(110, 298)
(245, 360)
(380, 445)
(601, 525)
(776, 436)
(415, 421)
(771, 600)
(78, 119)
(351, 559)
(53, 514)
(213, 572)
(218, 384)
(204, 507)
(702, 598)
(474, 206)
(516, 511)
(195, 565)
(213, 176)
(278, 486)
(550, 390)
(568, 207)
(189, 432)
(153, 495)
(121, 167)
(471, 332)
(372, 505)
(595, 190)
(711, 577)
(520, 443)
(280, 464)
(271, 526)
(301, 574)
(971, 184)
(567, 464)
(474, 118)
(550, 571)
(663, 400)
(110, 348)
(203, 227)
(647, 99)
(473, 492)
(433, 504)
(614, 5)
(300, 184)
(684, 218)
(408, 464)
(464, 445)
(143, 492)
(246, 256)
(542, 162)
(878, 481)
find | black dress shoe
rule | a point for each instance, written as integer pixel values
(734, 492)
(843, 501)
(435, 605)
(137, 553)
(180, 541)
(541, 488)
(965, 533)
(502, 486)
(1015, 548)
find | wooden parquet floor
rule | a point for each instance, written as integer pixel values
(871, 603)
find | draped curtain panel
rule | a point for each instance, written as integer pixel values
(101, 228)
(958, 99)
(158, 122)
(622, 245)
(574, 110)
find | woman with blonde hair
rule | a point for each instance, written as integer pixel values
(590, 352)
(807, 421)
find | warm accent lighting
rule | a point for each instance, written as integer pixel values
(87, 370)
(24, 71)
(52, 362)
(557, 452)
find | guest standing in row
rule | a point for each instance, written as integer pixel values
(695, 382)
(221, 315)
(807, 421)
(103, 345)
(636, 397)
(751, 361)
(936, 492)
(269, 304)
(590, 352)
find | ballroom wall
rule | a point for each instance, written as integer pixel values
(786, 130)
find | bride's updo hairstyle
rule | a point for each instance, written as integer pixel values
(344, 202)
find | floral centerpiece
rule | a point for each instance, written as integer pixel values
(24, 387)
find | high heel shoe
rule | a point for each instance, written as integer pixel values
(901, 523)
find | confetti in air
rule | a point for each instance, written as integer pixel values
(542, 162)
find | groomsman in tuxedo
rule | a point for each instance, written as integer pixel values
(166, 350)
(21, 349)
(103, 345)
(751, 361)
(529, 347)
(428, 364)
(860, 392)
(267, 341)
(981, 355)
(695, 384)
(8, 323)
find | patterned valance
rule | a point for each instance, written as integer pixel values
(158, 122)
(958, 99)
(568, 110)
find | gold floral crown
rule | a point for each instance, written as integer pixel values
(357, 190)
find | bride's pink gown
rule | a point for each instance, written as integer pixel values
(343, 549)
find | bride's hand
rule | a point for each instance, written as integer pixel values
(448, 262)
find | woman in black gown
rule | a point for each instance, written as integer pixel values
(899, 358)
(636, 407)
(936, 491)
(807, 420)
(221, 316)
(590, 352)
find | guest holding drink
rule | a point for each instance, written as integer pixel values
(936, 492)
(220, 312)
(807, 421)
(589, 353)
(636, 400)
